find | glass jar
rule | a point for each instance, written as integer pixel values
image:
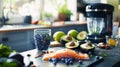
(42, 39)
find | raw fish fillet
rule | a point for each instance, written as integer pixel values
(65, 53)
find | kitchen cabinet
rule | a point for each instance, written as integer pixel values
(18, 40)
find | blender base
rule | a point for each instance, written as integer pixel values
(96, 38)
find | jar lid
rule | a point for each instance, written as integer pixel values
(99, 7)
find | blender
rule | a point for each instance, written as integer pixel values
(99, 21)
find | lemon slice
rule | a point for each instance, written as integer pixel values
(112, 42)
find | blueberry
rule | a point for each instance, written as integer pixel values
(90, 53)
(54, 63)
(28, 55)
(67, 61)
(63, 60)
(71, 62)
(50, 59)
(37, 36)
(54, 59)
(80, 62)
(71, 59)
(97, 57)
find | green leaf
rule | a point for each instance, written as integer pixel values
(104, 55)
(78, 66)
(4, 50)
(65, 10)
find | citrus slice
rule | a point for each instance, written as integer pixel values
(112, 42)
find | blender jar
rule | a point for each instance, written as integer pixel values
(95, 25)
(99, 21)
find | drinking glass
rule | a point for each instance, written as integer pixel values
(112, 41)
(42, 38)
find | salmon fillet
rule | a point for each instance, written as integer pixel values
(65, 53)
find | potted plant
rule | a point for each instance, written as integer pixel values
(48, 16)
(64, 13)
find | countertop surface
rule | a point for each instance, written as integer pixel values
(7, 28)
(113, 56)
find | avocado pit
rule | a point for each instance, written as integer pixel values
(65, 39)
(69, 37)
(72, 44)
(87, 47)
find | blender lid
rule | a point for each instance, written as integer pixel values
(99, 7)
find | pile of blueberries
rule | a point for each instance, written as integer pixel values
(42, 41)
(67, 61)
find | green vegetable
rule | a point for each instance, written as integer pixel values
(4, 50)
(104, 55)
(6, 62)
(78, 66)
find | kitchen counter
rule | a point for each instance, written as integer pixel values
(113, 56)
(7, 28)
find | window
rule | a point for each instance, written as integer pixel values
(16, 9)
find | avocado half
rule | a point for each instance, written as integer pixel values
(87, 47)
(82, 35)
(72, 44)
(66, 38)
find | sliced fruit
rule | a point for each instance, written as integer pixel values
(73, 33)
(112, 42)
(57, 35)
(72, 44)
(66, 38)
(82, 35)
(87, 47)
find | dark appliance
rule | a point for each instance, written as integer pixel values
(99, 21)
